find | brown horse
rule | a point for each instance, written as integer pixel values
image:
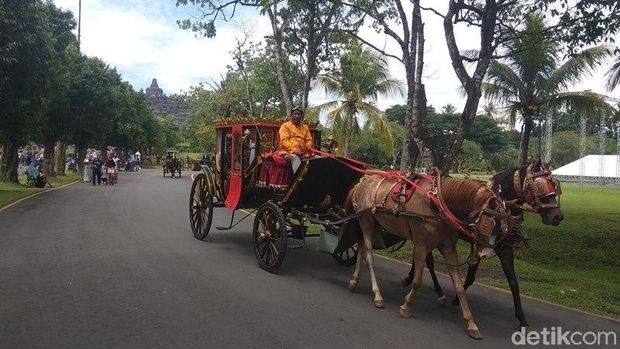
(531, 185)
(480, 211)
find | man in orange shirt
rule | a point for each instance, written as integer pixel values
(295, 139)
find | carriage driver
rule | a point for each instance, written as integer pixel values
(295, 139)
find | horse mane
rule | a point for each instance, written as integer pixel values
(505, 181)
(463, 196)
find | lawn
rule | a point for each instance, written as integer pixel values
(12, 192)
(576, 264)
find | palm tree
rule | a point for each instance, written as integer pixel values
(362, 77)
(531, 82)
(613, 79)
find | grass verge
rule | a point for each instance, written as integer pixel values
(12, 192)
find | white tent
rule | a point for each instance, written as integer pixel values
(604, 167)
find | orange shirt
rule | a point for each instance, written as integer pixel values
(293, 138)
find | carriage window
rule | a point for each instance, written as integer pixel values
(237, 156)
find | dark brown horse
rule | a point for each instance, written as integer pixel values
(480, 214)
(531, 185)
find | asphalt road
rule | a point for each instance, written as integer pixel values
(118, 266)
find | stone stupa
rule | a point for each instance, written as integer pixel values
(163, 105)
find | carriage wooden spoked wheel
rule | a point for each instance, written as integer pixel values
(200, 207)
(270, 237)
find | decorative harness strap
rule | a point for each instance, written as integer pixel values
(434, 196)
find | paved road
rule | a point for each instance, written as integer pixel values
(118, 266)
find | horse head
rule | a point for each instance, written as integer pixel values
(542, 192)
(491, 221)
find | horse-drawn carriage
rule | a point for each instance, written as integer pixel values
(329, 191)
(247, 173)
(172, 165)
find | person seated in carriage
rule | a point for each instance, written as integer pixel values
(295, 139)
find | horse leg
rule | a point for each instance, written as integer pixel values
(506, 257)
(450, 255)
(469, 280)
(368, 225)
(430, 264)
(358, 267)
(418, 258)
(406, 281)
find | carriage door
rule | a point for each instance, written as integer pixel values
(236, 169)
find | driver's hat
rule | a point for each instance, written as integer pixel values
(298, 108)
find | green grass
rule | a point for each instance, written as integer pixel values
(575, 264)
(12, 192)
(196, 156)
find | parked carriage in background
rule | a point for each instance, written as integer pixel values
(247, 174)
(173, 164)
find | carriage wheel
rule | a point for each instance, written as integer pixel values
(269, 237)
(200, 207)
(347, 257)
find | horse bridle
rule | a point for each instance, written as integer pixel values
(536, 186)
(485, 221)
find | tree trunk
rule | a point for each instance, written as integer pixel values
(404, 153)
(8, 165)
(81, 155)
(61, 155)
(528, 124)
(279, 52)
(347, 137)
(48, 159)
(488, 19)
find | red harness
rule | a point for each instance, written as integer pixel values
(433, 196)
(536, 185)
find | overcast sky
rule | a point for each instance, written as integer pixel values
(141, 39)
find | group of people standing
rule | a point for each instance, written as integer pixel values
(100, 171)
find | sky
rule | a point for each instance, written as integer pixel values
(142, 40)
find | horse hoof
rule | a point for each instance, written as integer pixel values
(379, 303)
(405, 282)
(352, 285)
(443, 301)
(475, 334)
(405, 312)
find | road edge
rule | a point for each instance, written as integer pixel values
(600, 316)
(11, 204)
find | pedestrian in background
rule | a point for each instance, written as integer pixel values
(97, 164)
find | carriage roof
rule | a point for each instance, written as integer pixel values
(256, 121)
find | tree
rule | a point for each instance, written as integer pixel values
(580, 23)
(27, 51)
(303, 30)
(363, 75)
(532, 83)
(448, 109)
(469, 158)
(93, 104)
(613, 76)
(64, 45)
